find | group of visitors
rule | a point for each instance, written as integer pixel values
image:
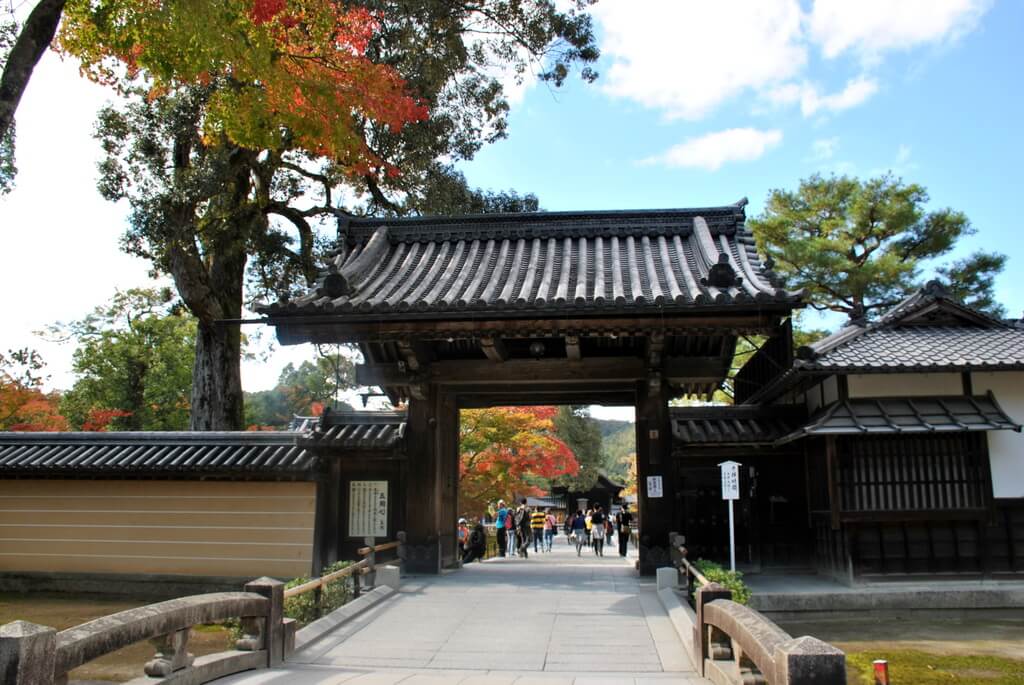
(592, 528)
(516, 527)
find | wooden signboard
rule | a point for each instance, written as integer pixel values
(368, 508)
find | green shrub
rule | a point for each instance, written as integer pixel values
(731, 580)
(303, 608)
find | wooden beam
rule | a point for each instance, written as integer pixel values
(331, 329)
(416, 354)
(679, 370)
(572, 348)
(832, 469)
(494, 349)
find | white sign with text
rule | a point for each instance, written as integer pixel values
(654, 487)
(730, 479)
(368, 508)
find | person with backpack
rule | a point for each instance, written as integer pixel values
(500, 530)
(550, 526)
(579, 530)
(522, 528)
(537, 519)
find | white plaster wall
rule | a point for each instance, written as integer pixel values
(903, 384)
(1006, 448)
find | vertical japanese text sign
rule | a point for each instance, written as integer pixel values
(730, 479)
(368, 508)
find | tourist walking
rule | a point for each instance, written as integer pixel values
(537, 519)
(500, 531)
(624, 523)
(590, 524)
(510, 532)
(579, 530)
(463, 537)
(522, 524)
(550, 525)
(597, 521)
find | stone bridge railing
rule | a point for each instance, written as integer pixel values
(736, 645)
(31, 654)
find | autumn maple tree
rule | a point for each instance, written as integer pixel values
(24, 405)
(504, 451)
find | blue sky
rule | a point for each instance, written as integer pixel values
(699, 103)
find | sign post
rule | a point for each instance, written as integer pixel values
(731, 492)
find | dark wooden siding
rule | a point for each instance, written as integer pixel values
(929, 474)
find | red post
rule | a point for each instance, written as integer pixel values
(881, 672)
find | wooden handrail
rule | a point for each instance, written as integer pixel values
(363, 551)
(359, 566)
(692, 570)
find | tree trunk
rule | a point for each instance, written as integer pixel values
(36, 35)
(217, 403)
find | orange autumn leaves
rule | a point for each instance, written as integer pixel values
(505, 451)
(283, 73)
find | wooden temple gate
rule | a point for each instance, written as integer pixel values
(615, 308)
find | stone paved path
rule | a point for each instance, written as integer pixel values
(553, 618)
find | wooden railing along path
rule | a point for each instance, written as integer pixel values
(736, 645)
(32, 654)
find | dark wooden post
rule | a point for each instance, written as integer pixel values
(423, 550)
(447, 437)
(654, 458)
(371, 556)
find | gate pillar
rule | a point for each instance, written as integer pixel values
(654, 459)
(422, 491)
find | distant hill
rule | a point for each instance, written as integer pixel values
(610, 426)
(618, 441)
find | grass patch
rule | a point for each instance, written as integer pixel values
(909, 667)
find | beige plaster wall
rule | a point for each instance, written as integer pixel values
(201, 528)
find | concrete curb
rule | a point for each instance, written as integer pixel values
(888, 599)
(324, 626)
(683, 619)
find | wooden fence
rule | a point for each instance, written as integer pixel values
(31, 654)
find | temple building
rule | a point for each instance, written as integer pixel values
(889, 449)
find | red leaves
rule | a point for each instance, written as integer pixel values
(264, 11)
(505, 448)
(99, 420)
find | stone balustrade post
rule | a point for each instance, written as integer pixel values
(809, 661)
(269, 633)
(171, 654)
(28, 654)
(701, 637)
(400, 536)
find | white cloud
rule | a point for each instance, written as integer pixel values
(824, 149)
(686, 58)
(713, 150)
(903, 155)
(811, 100)
(871, 27)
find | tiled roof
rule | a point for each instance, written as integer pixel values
(733, 425)
(907, 415)
(356, 430)
(546, 261)
(254, 454)
(927, 331)
(925, 348)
